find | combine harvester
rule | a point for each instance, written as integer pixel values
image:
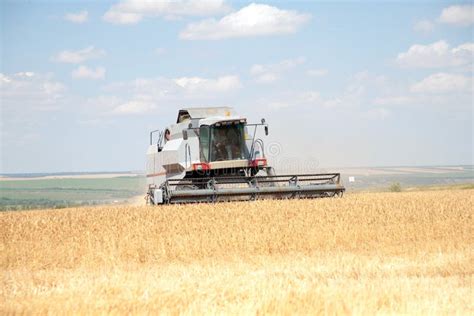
(213, 155)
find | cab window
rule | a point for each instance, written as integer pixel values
(204, 136)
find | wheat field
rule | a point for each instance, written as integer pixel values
(372, 253)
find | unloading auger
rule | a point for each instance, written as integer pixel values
(213, 155)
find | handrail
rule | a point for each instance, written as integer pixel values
(259, 141)
(151, 135)
(187, 149)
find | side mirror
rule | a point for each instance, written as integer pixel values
(185, 134)
(266, 130)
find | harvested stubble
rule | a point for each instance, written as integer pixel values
(366, 253)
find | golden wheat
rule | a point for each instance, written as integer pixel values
(363, 254)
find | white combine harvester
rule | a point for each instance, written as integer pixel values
(213, 154)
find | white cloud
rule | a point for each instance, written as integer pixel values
(158, 87)
(377, 114)
(281, 100)
(83, 72)
(4, 79)
(424, 26)
(197, 84)
(277, 105)
(79, 56)
(142, 95)
(461, 15)
(443, 83)
(160, 51)
(362, 87)
(311, 97)
(115, 15)
(317, 72)
(252, 20)
(103, 102)
(272, 72)
(111, 105)
(393, 100)
(436, 55)
(134, 107)
(30, 90)
(442, 90)
(267, 78)
(79, 17)
(133, 11)
(353, 101)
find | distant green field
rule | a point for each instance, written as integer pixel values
(58, 193)
(415, 180)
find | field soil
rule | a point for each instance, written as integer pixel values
(403, 253)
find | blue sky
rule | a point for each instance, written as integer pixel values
(340, 83)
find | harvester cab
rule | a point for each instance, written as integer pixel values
(213, 154)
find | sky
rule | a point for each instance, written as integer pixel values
(341, 84)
